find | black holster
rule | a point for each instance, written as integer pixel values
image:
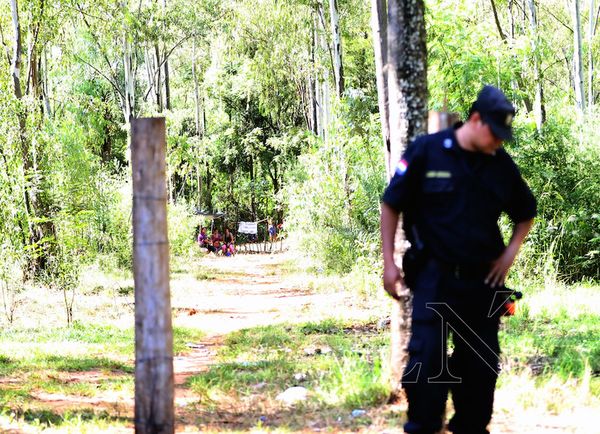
(413, 261)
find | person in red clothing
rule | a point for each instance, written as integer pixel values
(228, 243)
(216, 239)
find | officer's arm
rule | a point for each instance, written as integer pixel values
(500, 266)
(391, 273)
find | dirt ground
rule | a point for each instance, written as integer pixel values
(251, 290)
(259, 293)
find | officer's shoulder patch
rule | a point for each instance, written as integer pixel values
(401, 167)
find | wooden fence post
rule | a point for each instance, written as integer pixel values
(154, 395)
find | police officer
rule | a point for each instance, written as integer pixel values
(451, 188)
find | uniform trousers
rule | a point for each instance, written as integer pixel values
(451, 303)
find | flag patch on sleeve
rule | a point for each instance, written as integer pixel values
(401, 167)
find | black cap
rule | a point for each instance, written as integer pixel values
(496, 111)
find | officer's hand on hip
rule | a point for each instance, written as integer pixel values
(500, 267)
(391, 278)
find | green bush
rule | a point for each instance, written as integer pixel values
(183, 227)
(562, 167)
(334, 191)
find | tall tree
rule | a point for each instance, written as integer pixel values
(166, 66)
(577, 58)
(336, 38)
(36, 227)
(407, 81)
(379, 29)
(591, 31)
(538, 109)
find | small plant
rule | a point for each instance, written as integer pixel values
(10, 284)
(63, 274)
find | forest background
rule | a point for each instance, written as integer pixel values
(272, 113)
(268, 119)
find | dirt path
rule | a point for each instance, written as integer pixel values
(251, 290)
(243, 292)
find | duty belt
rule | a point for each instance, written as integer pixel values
(465, 271)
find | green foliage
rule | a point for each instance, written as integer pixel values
(564, 174)
(334, 191)
(183, 229)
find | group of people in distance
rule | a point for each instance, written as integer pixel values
(217, 243)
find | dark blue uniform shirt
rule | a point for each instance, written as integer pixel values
(455, 197)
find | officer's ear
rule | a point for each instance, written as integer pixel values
(476, 119)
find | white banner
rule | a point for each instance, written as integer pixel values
(248, 228)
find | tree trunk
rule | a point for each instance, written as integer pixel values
(129, 106)
(31, 233)
(203, 126)
(15, 67)
(337, 48)
(154, 386)
(591, 55)
(196, 90)
(379, 29)
(577, 58)
(519, 81)
(252, 191)
(45, 87)
(208, 189)
(167, 86)
(538, 108)
(158, 83)
(407, 81)
(199, 186)
(313, 81)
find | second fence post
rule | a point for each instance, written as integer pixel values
(154, 394)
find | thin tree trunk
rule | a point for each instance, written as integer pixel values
(512, 20)
(166, 66)
(326, 106)
(196, 90)
(407, 81)
(497, 20)
(252, 191)
(128, 111)
(325, 95)
(15, 68)
(325, 44)
(577, 58)
(28, 196)
(154, 385)
(538, 109)
(520, 82)
(167, 86)
(591, 56)
(149, 62)
(45, 87)
(318, 86)
(199, 186)
(319, 103)
(203, 127)
(158, 85)
(379, 29)
(208, 189)
(313, 82)
(337, 47)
